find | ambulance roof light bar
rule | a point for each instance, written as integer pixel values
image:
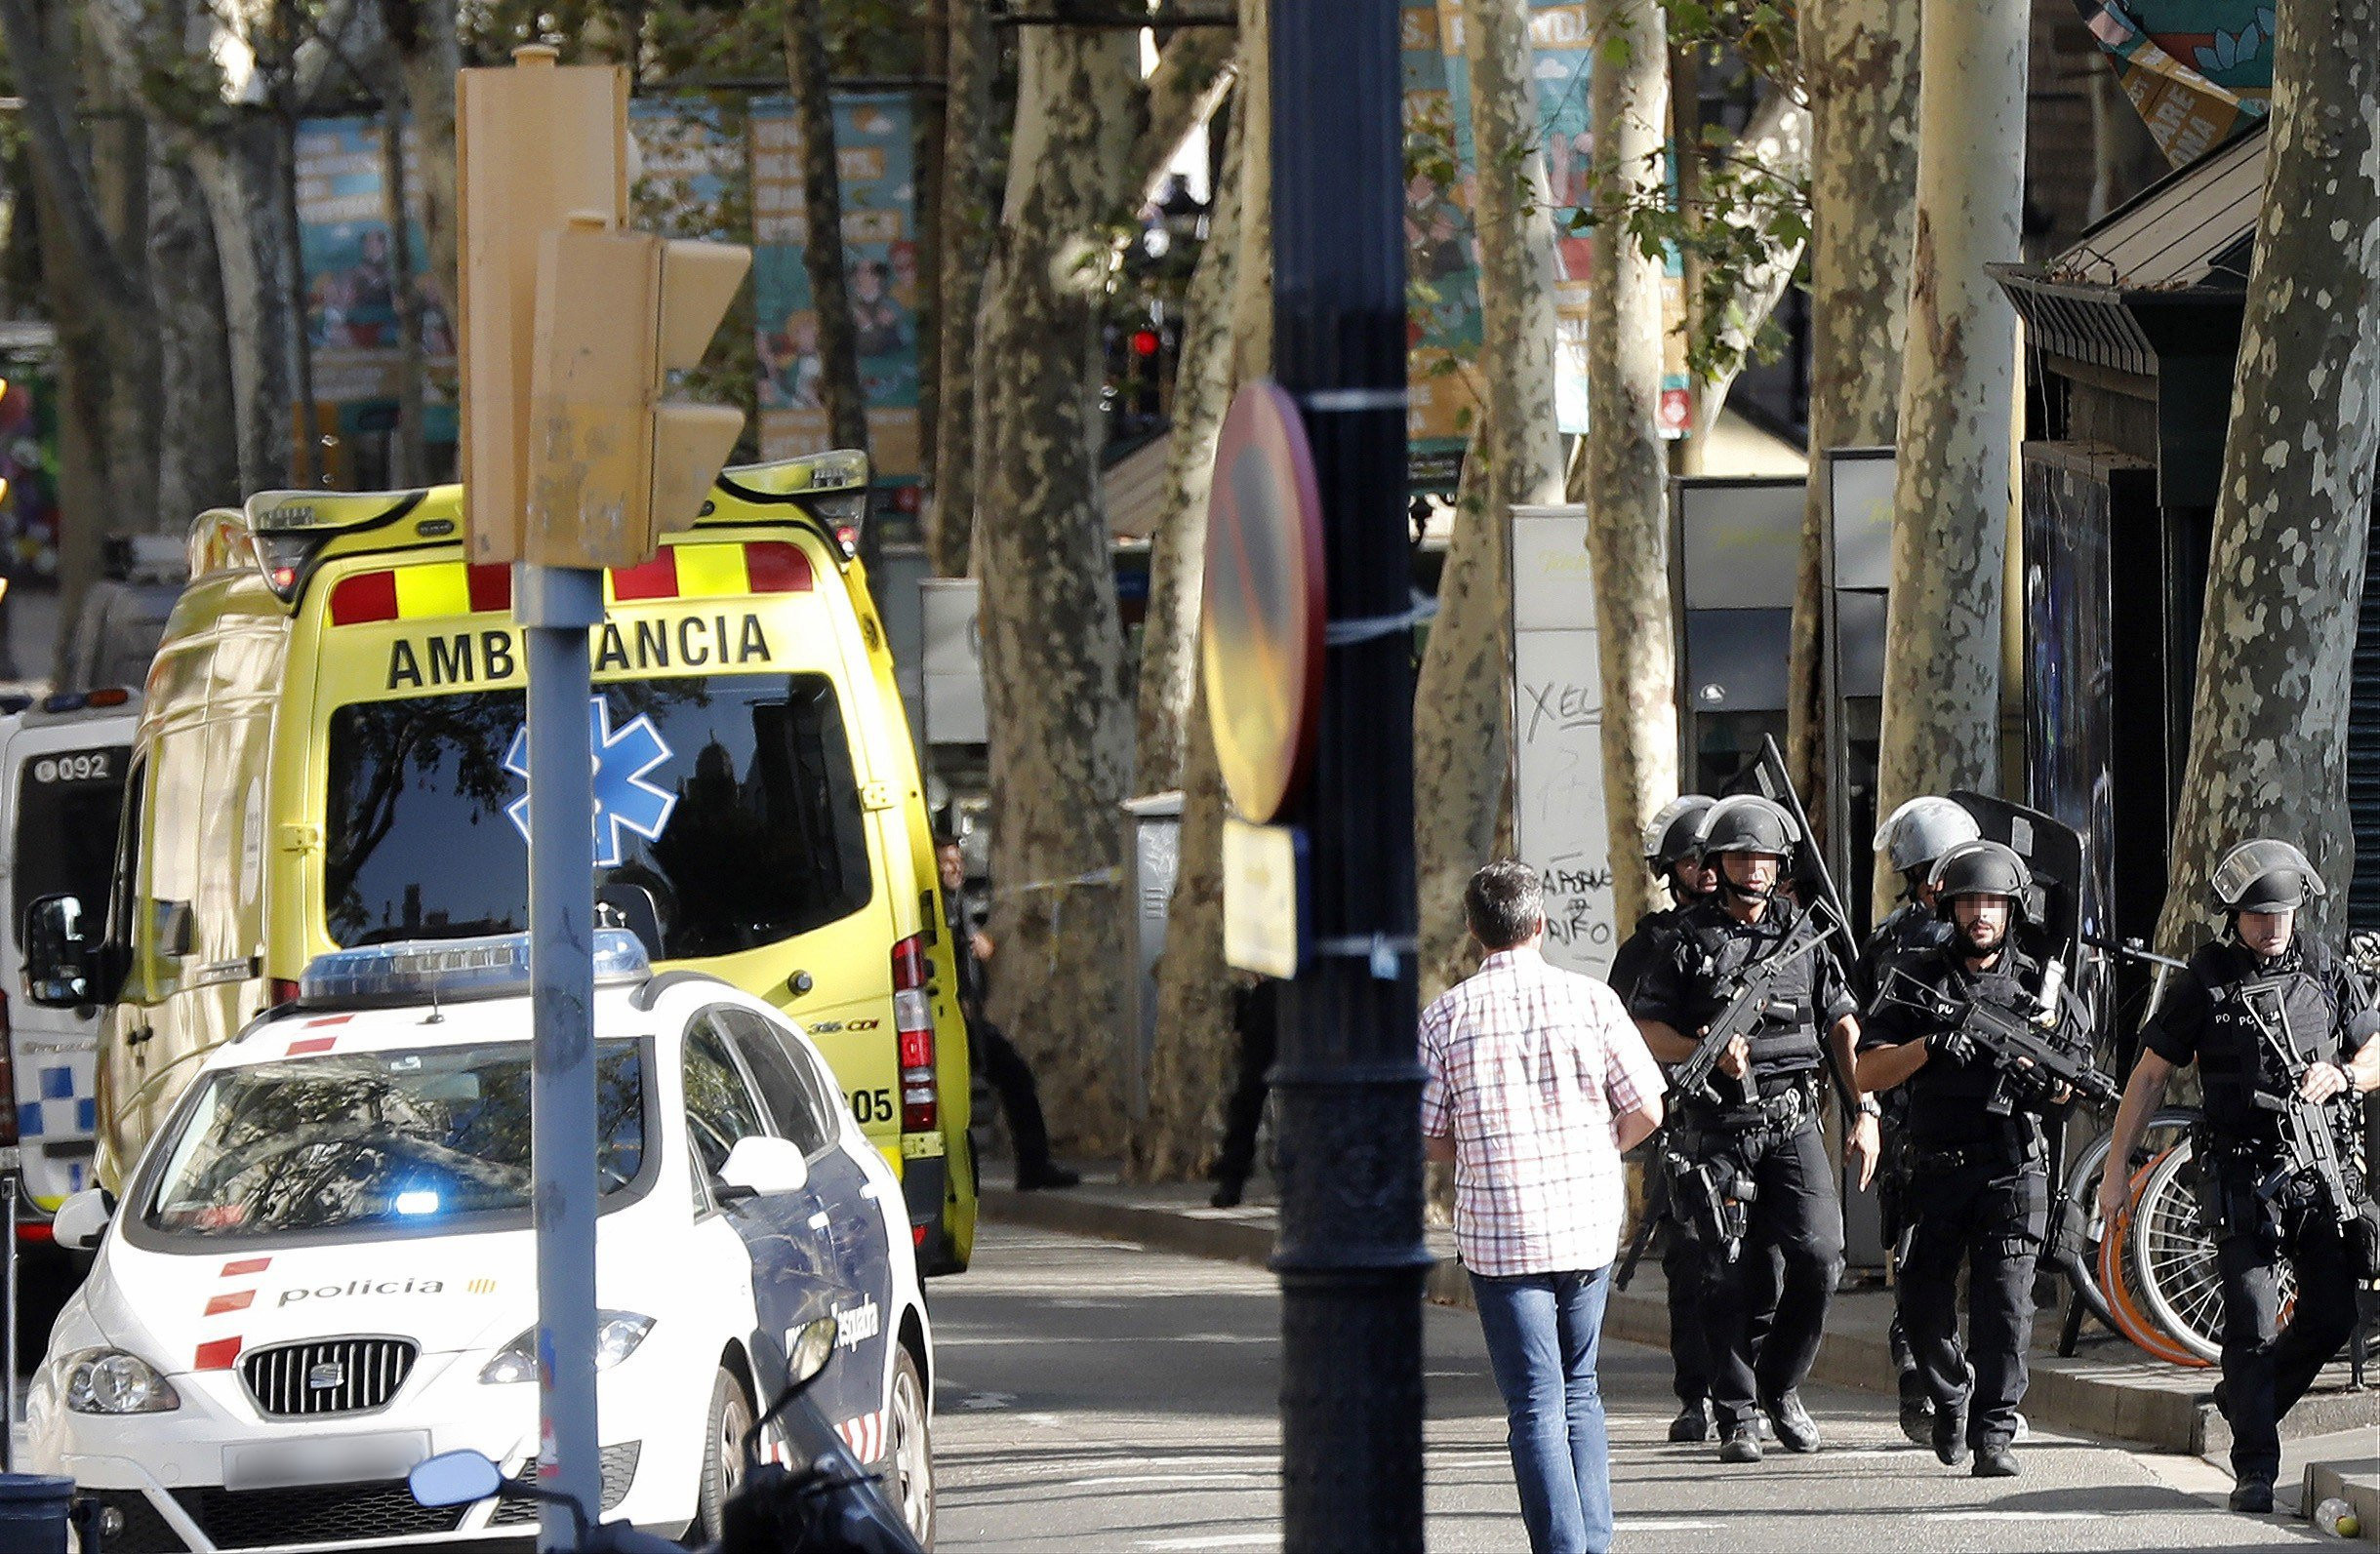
(452, 969)
(289, 528)
(831, 488)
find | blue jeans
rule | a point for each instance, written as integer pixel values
(1543, 1330)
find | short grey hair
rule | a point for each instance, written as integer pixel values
(1503, 903)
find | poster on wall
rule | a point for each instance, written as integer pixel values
(350, 267)
(2193, 68)
(1441, 262)
(1563, 55)
(691, 175)
(29, 469)
(1559, 825)
(874, 157)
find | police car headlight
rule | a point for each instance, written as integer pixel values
(617, 1335)
(111, 1381)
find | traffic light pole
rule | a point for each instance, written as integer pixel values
(1350, 1255)
(556, 608)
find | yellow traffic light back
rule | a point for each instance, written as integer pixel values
(534, 142)
(617, 312)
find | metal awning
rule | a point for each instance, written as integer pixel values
(2164, 274)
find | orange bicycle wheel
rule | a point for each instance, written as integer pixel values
(2116, 1280)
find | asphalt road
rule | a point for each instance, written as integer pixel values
(1102, 1396)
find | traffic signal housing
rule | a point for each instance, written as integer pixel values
(611, 461)
(536, 140)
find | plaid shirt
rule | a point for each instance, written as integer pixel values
(1527, 1066)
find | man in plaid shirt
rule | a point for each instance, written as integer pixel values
(1537, 1081)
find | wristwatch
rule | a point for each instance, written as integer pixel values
(1868, 1107)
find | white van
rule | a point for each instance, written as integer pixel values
(62, 765)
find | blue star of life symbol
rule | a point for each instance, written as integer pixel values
(624, 799)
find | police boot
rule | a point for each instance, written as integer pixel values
(1950, 1434)
(1995, 1462)
(1743, 1444)
(2252, 1496)
(1796, 1431)
(1692, 1424)
(1917, 1410)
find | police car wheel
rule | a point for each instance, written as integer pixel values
(912, 1450)
(731, 1416)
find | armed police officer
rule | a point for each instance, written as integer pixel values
(1911, 839)
(1749, 1139)
(1673, 852)
(2271, 1016)
(1978, 1179)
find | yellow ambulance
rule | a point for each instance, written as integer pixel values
(331, 754)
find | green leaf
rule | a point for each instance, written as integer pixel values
(1619, 51)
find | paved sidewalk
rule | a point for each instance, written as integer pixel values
(2107, 1389)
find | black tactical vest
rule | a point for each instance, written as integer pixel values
(1946, 1100)
(2235, 1059)
(1785, 1043)
(1908, 931)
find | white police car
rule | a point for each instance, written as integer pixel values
(322, 1271)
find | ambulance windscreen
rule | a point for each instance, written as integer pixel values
(731, 800)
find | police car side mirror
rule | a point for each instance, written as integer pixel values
(760, 1165)
(82, 1219)
(58, 958)
(454, 1478)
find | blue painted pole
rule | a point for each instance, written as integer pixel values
(556, 606)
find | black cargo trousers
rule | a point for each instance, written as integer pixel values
(2266, 1370)
(1791, 1260)
(1987, 1211)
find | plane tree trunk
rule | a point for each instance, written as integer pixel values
(1627, 528)
(1859, 66)
(1951, 495)
(1461, 704)
(2275, 651)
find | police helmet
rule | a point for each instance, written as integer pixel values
(2265, 876)
(1981, 868)
(1748, 823)
(1921, 830)
(1674, 832)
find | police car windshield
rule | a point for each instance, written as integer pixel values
(377, 1140)
(731, 800)
(68, 803)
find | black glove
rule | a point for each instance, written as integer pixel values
(1951, 1046)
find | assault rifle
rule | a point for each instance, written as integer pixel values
(1658, 1211)
(2308, 1148)
(2132, 950)
(1745, 996)
(2014, 1042)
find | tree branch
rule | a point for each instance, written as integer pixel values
(1195, 70)
(47, 87)
(1778, 139)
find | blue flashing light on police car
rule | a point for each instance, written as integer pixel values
(247, 1349)
(449, 970)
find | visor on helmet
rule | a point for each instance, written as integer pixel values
(2265, 876)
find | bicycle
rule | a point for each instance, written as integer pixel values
(2076, 1232)
(2174, 1257)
